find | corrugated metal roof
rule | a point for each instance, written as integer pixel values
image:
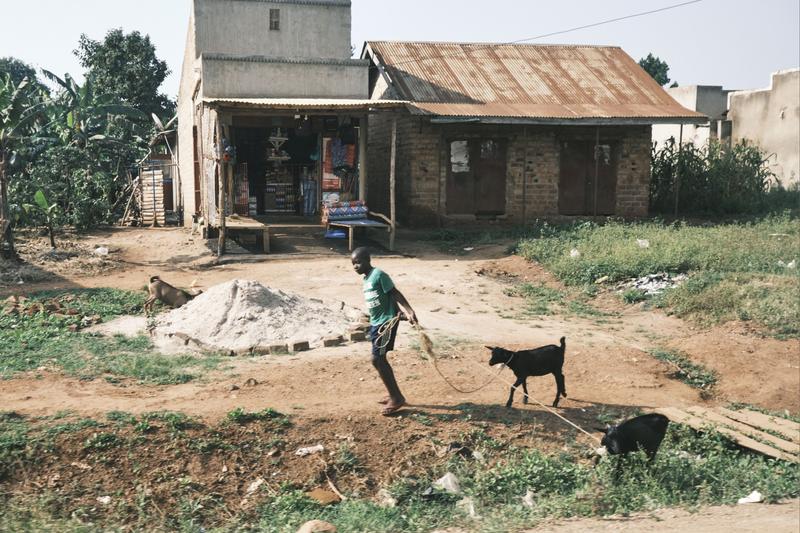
(305, 103)
(525, 81)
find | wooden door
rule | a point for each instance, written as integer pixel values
(572, 185)
(490, 176)
(576, 188)
(460, 181)
(476, 177)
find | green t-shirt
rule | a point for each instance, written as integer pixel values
(380, 305)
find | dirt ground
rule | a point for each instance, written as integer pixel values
(464, 304)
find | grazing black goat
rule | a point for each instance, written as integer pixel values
(537, 362)
(642, 432)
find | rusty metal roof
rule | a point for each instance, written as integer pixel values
(567, 82)
(305, 103)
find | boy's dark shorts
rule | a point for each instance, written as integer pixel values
(380, 344)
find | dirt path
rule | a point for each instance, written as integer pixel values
(462, 301)
(779, 518)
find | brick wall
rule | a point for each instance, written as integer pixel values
(532, 166)
(633, 172)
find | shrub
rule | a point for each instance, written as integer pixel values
(714, 179)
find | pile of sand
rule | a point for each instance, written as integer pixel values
(239, 315)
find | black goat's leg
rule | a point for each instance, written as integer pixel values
(511, 394)
(559, 381)
(525, 390)
(562, 386)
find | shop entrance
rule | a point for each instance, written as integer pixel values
(292, 165)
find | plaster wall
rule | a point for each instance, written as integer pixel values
(318, 29)
(233, 78)
(770, 118)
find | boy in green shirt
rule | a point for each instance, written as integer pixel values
(382, 298)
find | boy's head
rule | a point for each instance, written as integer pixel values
(361, 260)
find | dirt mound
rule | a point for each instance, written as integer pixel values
(240, 315)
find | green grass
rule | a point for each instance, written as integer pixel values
(240, 416)
(690, 470)
(770, 301)
(736, 270)
(612, 250)
(46, 340)
(541, 300)
(684, 369)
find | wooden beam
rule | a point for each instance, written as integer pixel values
(745, 429)
(363, 138)
(221, 176)
(392, 192)
(700, 424)
(791, 430)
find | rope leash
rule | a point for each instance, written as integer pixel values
(427, 345)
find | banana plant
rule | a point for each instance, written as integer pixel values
(49, 212)
(21, 108)
(81, 116)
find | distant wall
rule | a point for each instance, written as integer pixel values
(238, 78)
(711, 100)
(770, 118)
(310, 29)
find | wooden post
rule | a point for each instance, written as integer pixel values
(393, 157)
(524, 174)
(362, 157)
(678, 170)
(221, 176)
(596, 166)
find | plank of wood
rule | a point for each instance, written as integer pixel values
(682, 417)
(787, 428)
(750, 431)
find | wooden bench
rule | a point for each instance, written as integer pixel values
(352, 215)
(242, 223)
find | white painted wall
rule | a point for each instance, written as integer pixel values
(711, 100)
(771, 118)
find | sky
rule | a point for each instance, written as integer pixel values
(733, 43)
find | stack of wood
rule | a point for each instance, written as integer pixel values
(152, 198)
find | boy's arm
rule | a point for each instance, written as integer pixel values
(400, 299)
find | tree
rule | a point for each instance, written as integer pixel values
(126, 66)
(657, 69)
(17, 70)
(20, 107)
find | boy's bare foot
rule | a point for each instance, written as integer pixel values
(392, 407)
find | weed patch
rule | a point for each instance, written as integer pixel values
(737, 271)
(43, 340)
(685, 370)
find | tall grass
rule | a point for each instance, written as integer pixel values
(612, 249)
(739, 271)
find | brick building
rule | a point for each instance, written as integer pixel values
(513, 131)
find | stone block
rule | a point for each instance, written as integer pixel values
(299, 346)
(333, 341)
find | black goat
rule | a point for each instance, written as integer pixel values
(642, 432)
(537, 362)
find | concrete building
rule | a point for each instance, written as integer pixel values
(268, 91)
(514, 132)
(770, 118)
(710, 100)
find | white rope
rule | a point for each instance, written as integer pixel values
(516, 387)
(497, 377)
